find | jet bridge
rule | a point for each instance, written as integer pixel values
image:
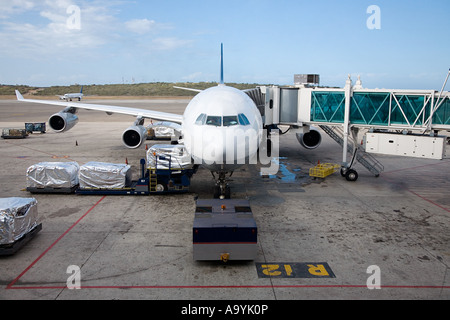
(396, 122)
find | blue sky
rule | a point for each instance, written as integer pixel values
(264, 41)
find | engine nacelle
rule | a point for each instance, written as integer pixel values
(62, 121)
(310, 140)
(134, 136)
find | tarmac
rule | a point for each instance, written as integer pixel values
(376, 238)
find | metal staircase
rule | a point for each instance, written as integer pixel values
(153, 180)
(367, 160)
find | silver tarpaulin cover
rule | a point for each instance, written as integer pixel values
(100, 175)
(53, 175)
(163, 132)
(18, 216)
(159, 156)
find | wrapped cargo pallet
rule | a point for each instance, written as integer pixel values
(14, 134)
(160, 156)
(100, 175)
(53, 175)
(18, 216)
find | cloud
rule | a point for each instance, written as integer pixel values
(169, 43)
(140, 26)
(11, 7)
(36, 35)
(193, 76)
(49, 33)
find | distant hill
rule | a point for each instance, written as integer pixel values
(139, 89)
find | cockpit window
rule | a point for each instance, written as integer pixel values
(229, 121)
(214, 121)
(226, 121)
(243, 119)
(201, 119)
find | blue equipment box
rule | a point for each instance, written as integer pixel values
(224, 229)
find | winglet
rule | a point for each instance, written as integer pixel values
(221, 63)
(19, 96)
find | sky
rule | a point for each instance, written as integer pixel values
(397, 44)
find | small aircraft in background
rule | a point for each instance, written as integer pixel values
(70, 96)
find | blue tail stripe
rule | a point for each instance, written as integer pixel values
(221, 63)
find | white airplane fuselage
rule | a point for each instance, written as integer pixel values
(70, 96)
(222, 129)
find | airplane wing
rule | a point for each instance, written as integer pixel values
(188, 89)
(156, 115)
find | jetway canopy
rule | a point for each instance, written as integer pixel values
(419, 110)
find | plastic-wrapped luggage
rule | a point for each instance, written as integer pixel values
(160, 156)
(18, 216)
(53, 175)
(100, 175)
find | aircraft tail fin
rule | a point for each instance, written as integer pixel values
(81, 91)
(221, 63)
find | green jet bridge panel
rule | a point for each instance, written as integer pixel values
(394, 109)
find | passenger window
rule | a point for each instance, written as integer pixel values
(201, 119)
(230, 121)
(214, 121)
(243, 119)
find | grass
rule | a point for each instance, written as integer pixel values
(139, 89)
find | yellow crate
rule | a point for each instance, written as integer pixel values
(323, 170)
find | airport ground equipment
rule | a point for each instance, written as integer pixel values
(11, 133)
(35, 127)
(344, 112)
(224, 229)
(323, 170)
(153, 180)
(18, 223)
(164, 174)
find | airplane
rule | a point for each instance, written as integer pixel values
(221, 128)
(70, 96)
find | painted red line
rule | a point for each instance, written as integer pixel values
(418, 167)
(414, 193)
(35, 150)
(430, 201)
(52, 245)
(225, 243)
(230, 287)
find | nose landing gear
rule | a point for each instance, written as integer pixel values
(222, 189)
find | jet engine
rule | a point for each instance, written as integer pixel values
(63, 121)
(134, 136)
(310, 140)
